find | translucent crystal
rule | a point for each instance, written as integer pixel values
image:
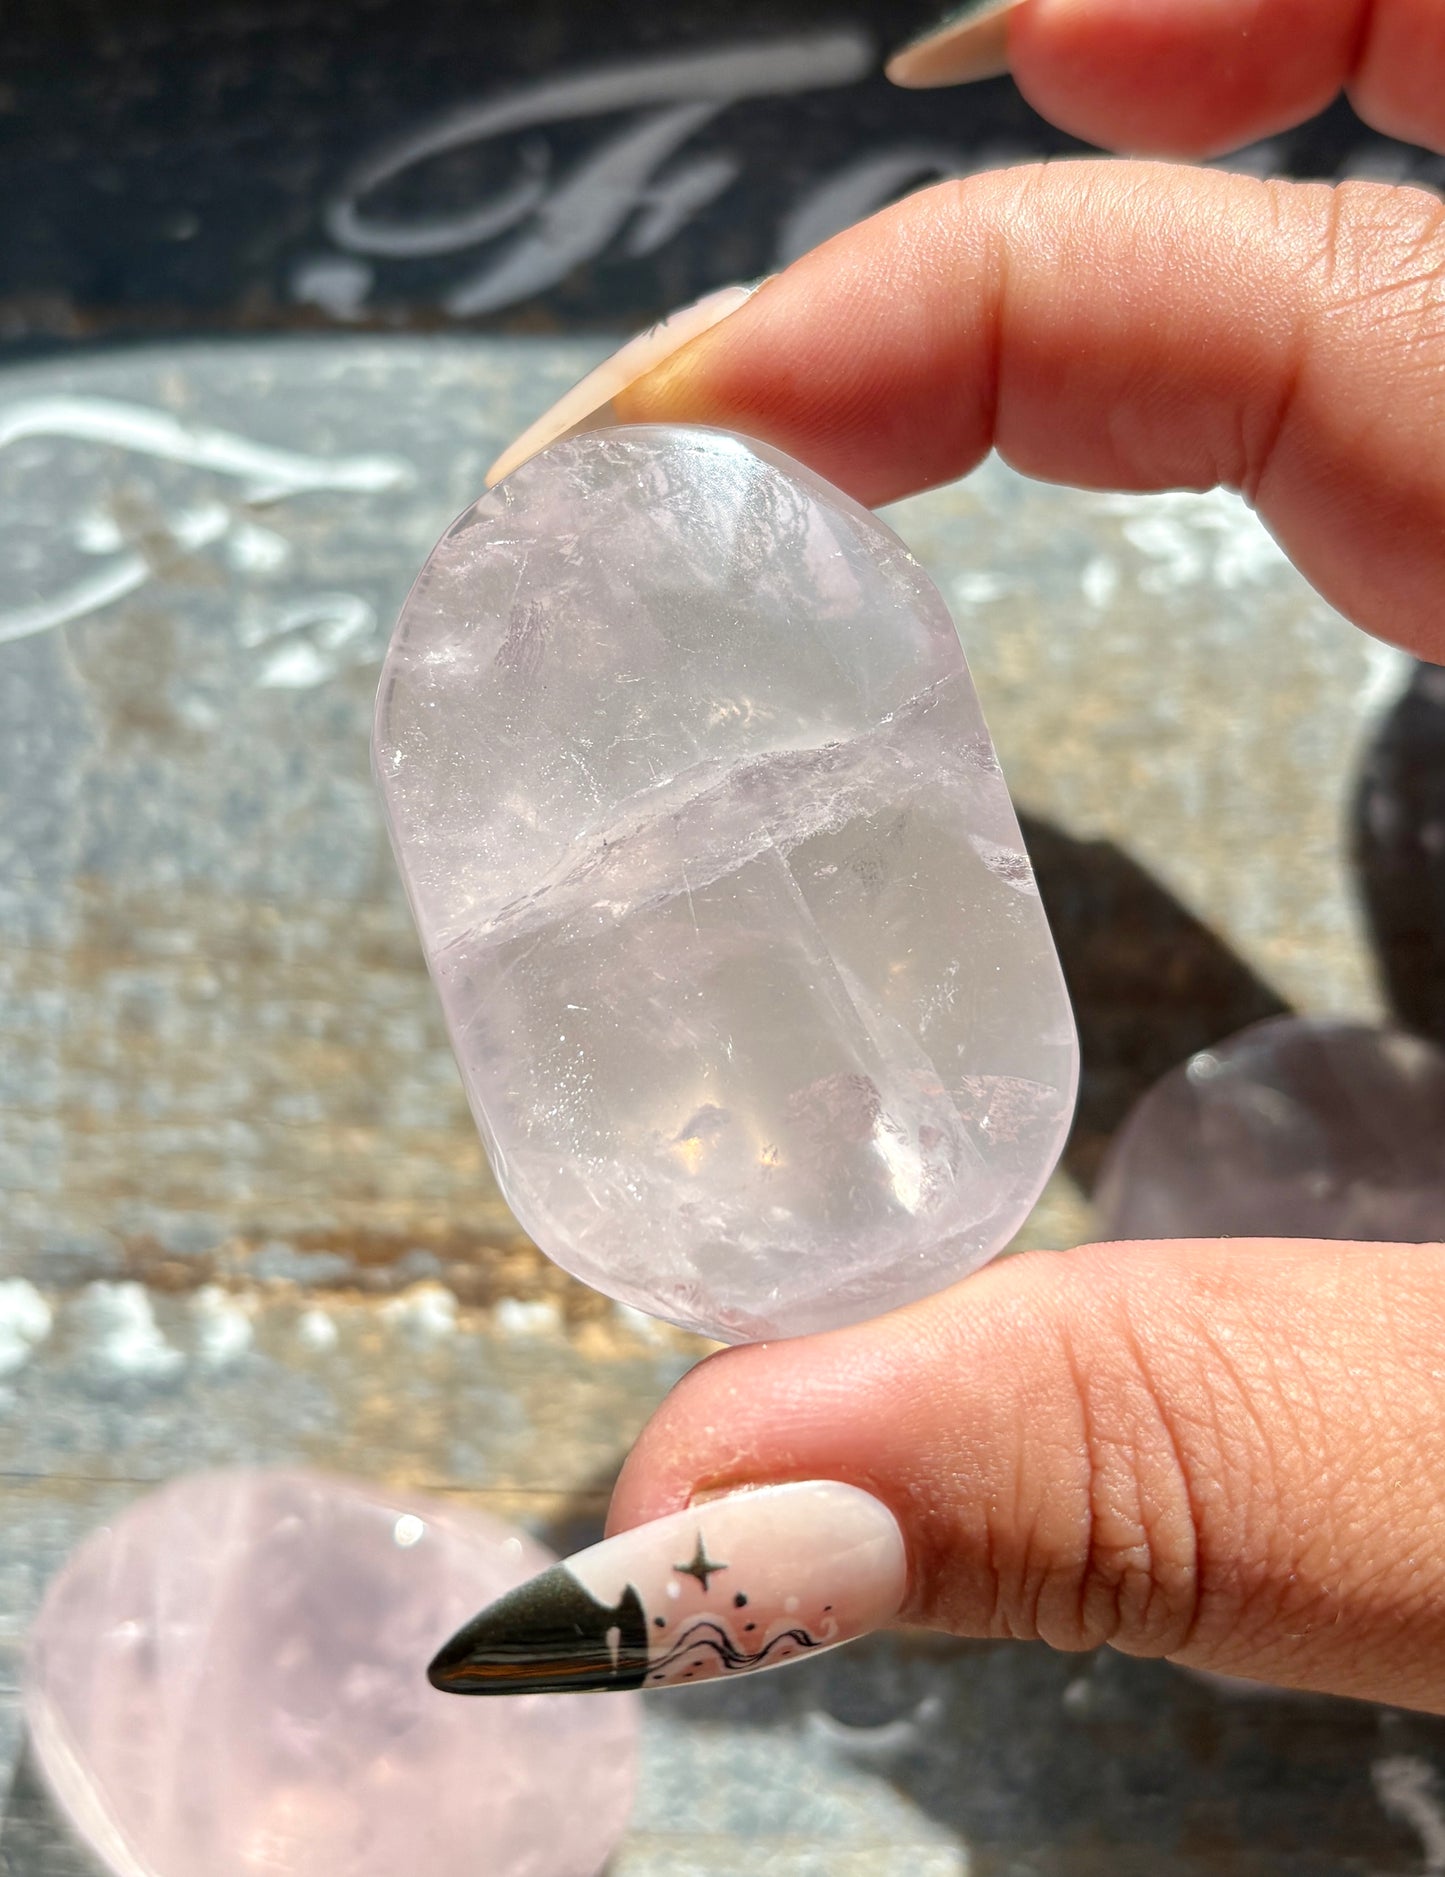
(1295, 1128)
(721, 887)
(230, 1678)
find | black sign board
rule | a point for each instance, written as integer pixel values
(252, 164)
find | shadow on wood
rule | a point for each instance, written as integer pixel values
(1151, 984)
(1399, 852)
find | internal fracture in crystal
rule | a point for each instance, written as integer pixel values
(721, 888)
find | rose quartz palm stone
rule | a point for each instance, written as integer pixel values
(230, 1679)
(1299, 1127)
(721, 887)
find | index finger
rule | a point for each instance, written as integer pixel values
(1194, 77)
(1125, 326)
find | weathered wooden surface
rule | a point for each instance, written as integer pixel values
(236, 1167)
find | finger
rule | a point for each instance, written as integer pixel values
(1189, 77)
(1231, 1454)
(1194, 77)
(634, 358)
(1130, 326)
(1398, 79)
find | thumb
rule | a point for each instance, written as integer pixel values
(1231, 1454)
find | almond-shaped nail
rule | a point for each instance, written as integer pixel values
(971, 43)
(748, 1582)
(588, 404)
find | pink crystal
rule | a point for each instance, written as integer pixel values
(722, 890)
(1293, 1128)
(231, 1678)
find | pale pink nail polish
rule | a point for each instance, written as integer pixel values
(587, 404)
(969, 44)
(746, 1582)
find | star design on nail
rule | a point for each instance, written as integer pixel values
(700, 1566)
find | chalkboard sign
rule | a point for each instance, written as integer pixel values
(415, 163)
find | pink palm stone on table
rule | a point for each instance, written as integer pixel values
(721, 888)
(1294, 1128)
(231, 1678)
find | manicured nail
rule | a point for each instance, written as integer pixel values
(588, 405)
(746, 1582)
(971, 43)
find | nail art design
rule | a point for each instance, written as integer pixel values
(588, 405)
(742, 1583)
(969, 44)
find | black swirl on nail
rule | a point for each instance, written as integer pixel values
(707, 1634)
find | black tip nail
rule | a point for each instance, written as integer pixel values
(548, 1636)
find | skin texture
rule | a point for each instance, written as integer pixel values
(1232, 1454)
(1122, 326)
(1229, 1454)
(1196, 77)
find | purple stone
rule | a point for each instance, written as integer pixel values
(721, 887)
(1294, 1128)
(231, 1678)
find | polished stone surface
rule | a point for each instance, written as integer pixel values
(741, 954)
(230, 1677)
(1295, 1128)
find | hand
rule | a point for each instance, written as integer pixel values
(1194, 77)
(1232, 1454)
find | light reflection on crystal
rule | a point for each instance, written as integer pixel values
(721, 888)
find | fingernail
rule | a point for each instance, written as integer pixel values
(971, 43)
(748, 1582)
(588, 405)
